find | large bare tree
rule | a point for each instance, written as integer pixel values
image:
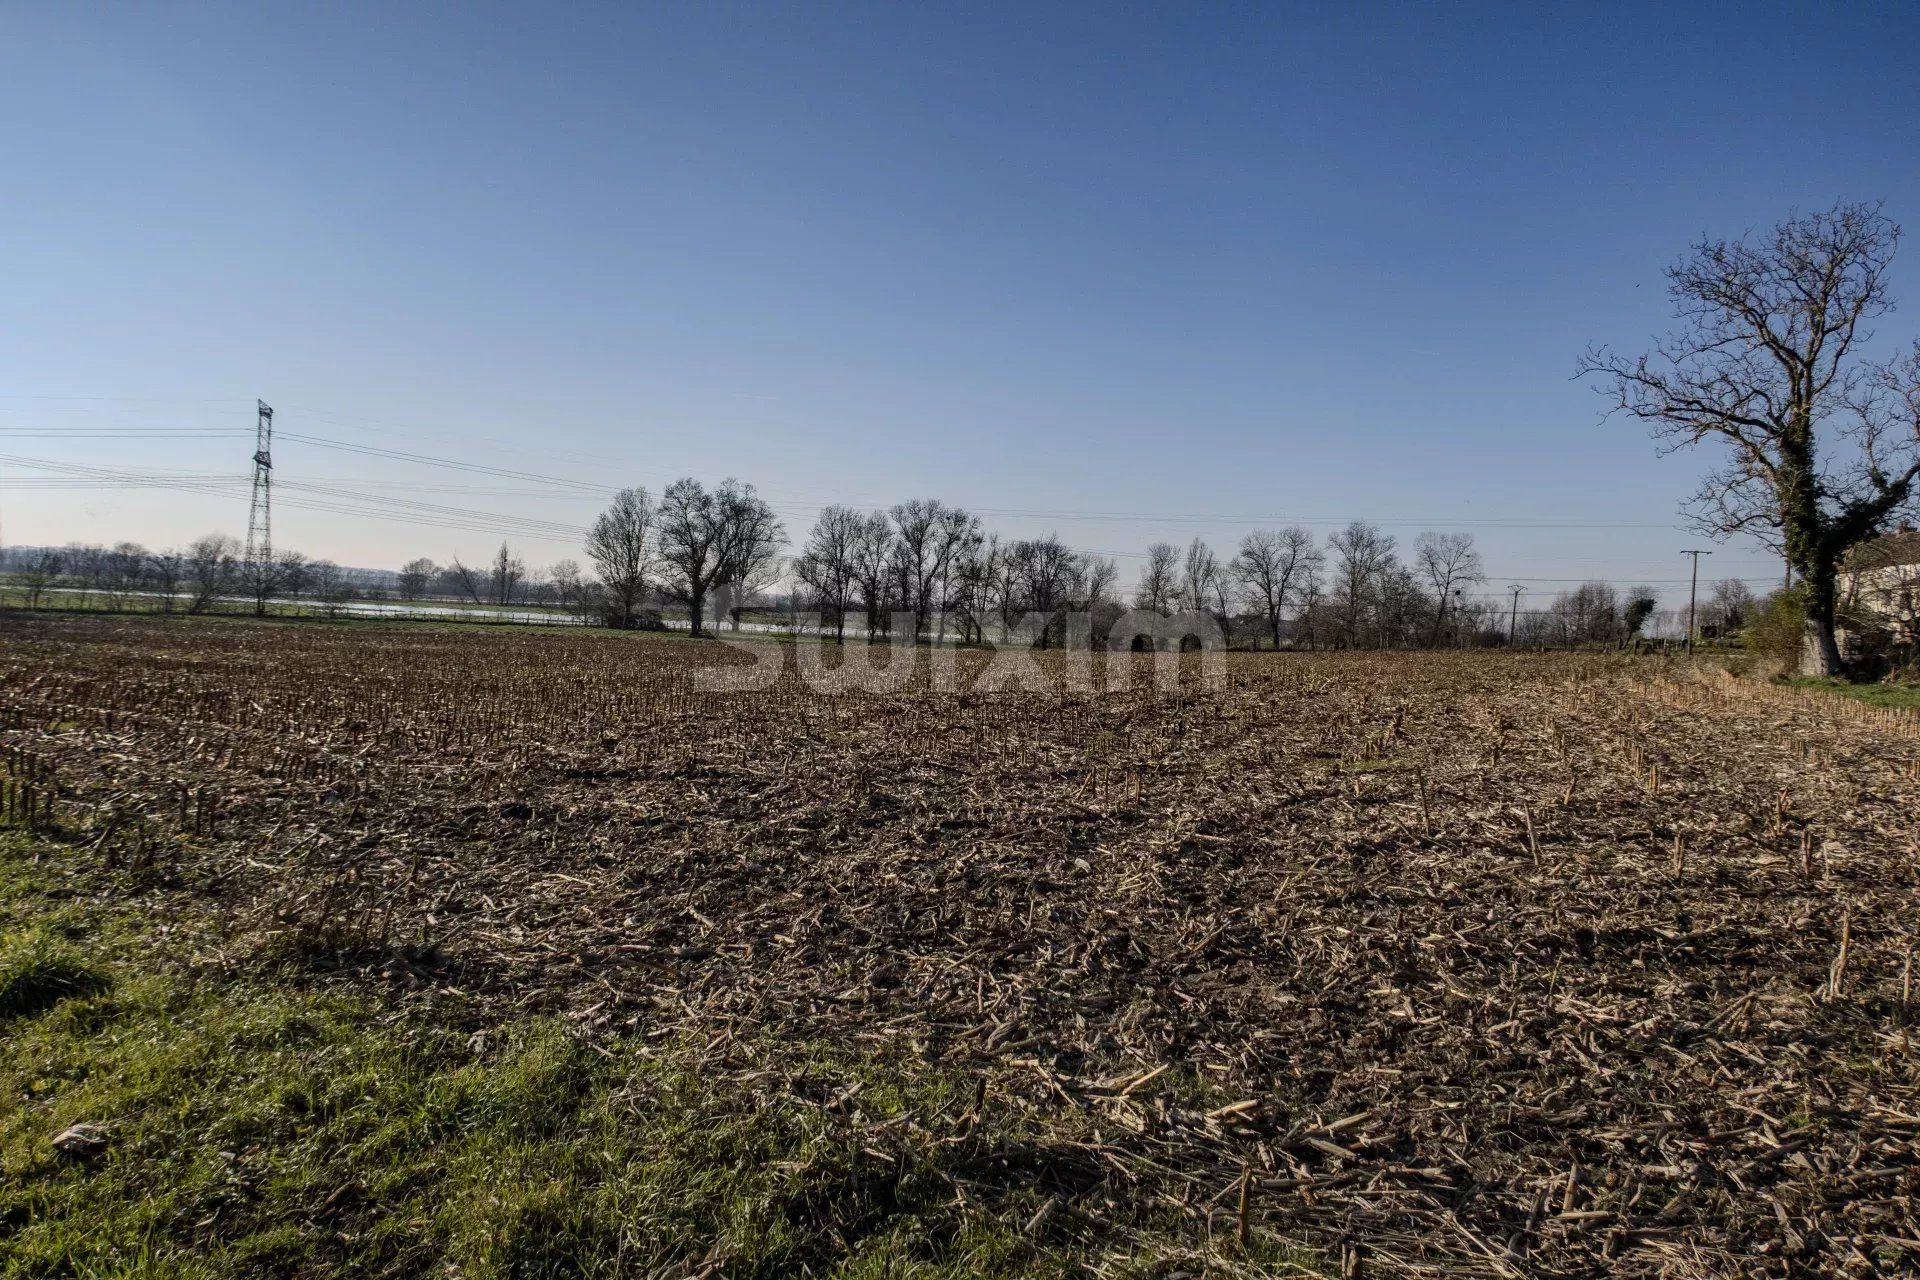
(711, 536)
(928, 534)
(1449, 563)
(872, 555)
(282, 573)
(620, 544)
(829, 562)
(211, 567)
(1363, 558)
(1272, 563)
(1822, 444)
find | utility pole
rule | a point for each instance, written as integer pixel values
(260, 516)
(1693, 593)
(1513, 614)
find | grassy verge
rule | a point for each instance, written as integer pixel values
(1879, 695)
(247, 1124)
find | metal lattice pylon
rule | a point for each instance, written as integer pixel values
(260, 517)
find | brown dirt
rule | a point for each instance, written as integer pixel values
(1478, 964)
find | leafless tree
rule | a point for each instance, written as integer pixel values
(708, 537)
(1271, 564)
(1199, 577)
(621, 546)
(1730, 605)
(264, 579)
(415, 577)
(1822, 444)
(166, 570)
(1588, 614)
(1049, 577)
(124, 570)
(1362, 556)
(1159, 578)
(328, 584)
(753, 560)
(211, 568)
(1449, 564)
(872, 560)
(569, 586)
(467, 580)
(40, 570)
(927, 535)
(1101, 577)
(85, 568)
(829, 562)
(508, 570)
(975, 575)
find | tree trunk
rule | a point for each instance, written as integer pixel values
(696, 610)
(1820, 656)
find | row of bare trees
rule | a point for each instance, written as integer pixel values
(193, 580)
(1355, 592)
(933, 562)
(932, 568)
(682, 548)
(932, 565)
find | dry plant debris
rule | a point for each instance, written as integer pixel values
(1438, 964)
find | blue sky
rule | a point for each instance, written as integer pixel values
(1124, 272)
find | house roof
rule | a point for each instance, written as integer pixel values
(1884, 553)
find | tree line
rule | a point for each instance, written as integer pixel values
(923, 567)
(933, 569)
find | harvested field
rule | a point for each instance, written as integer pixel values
(1422, 964)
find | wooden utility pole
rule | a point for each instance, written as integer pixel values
(1513, 614)
(1693, 593)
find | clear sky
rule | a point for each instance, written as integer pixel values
(1125, 272)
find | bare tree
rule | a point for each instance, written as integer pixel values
(707, 536)
(508, 570)
(84, 567)
(166, 570)
(415, 577)
(41, 570)
(1822, 445)
(1101, 577)
(1449, 563)
(211, 567)
(829, 562)
(1271, 564)
(1363, 555)
(468, 581)
(872, 556)
(326, 583)
(1159, 578)
(569, 587)
(1589, 614)
(927, 535)
(124, 570)
(620, 544)
(1730, 605)
(1048, 577)
(975, 576)
(753, 558)
(262, 580)
(1199, 577)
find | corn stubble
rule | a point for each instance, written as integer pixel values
(1494, 964)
